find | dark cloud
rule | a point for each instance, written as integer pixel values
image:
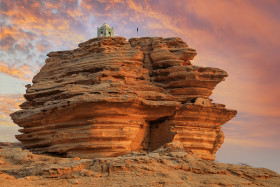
(4, 6)
(7, 43)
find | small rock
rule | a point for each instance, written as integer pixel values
(28, 86)
(5, 176)
(5, 143)
(17, 155)
(67, 176)
(173, 146)
(96, 168)
(178, 154)
(87, 173)
(30, 178)
(156, 155)
(73, 181)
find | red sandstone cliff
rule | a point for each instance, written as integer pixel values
(110, 97)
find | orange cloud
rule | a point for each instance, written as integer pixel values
(48, 19)
(8, 104)
(23, 72)
(11, 71)
(250, 143)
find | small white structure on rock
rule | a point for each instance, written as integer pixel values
(105, 30)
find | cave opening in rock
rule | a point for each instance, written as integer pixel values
(155, 123)
(193, 100)
(159, 133)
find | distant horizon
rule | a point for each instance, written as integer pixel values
(240, 37)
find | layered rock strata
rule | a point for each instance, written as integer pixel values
(111, 96)
(169, 165)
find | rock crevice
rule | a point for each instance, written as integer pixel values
(110, 97)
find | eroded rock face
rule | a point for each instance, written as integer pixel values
(170, 165)
(110, 97)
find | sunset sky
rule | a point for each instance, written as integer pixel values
(241, 37)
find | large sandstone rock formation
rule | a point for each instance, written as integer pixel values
(110, 97)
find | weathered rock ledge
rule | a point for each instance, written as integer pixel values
(110, 97)
(170, 165)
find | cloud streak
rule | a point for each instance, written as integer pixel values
(8, 104)
(23, 72)
(249, 130)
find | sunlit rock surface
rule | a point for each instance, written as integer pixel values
(170, 165)
(110, 97)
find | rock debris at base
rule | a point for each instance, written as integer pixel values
(170, 165)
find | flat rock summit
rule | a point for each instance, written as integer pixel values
(124, 113)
